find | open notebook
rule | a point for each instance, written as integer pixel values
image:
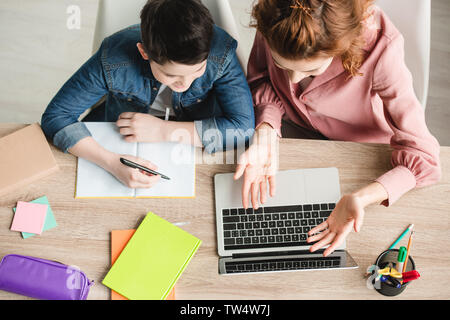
(176, 161)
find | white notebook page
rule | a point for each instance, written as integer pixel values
(176, 161)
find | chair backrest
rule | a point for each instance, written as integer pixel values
(411, 17)
(114, 15)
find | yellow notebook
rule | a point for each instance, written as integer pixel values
(152, 261)
(174, 160)
(119, 239)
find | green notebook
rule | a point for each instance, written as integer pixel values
(152, 261)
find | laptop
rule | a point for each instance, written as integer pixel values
(273, 238)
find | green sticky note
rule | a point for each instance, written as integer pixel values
(50, 221)
(152, 261)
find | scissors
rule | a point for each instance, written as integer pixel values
(390, 272)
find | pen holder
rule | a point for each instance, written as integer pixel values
(382, 261)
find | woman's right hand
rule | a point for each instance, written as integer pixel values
(133, 178)
(259, 165)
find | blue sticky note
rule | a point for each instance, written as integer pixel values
(50, 221)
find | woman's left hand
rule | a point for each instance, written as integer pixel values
(140, 127)
(348, 214)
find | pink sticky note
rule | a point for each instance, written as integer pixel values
(29, 217)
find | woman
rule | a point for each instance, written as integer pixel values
(335, 69)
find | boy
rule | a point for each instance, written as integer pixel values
(177, 62)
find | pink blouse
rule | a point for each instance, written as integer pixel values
(378, 107)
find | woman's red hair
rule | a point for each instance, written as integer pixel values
(303, 29)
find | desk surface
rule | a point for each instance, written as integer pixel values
(82, 237)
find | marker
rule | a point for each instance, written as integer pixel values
(401, 258)
(410, 275)
(391, 281)
(395, 282)
(410, 227)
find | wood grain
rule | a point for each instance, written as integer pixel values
(82, 237)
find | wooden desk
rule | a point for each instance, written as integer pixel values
(82, 237)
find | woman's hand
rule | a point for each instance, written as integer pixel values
(133, 178)
(141, 127)
(347, 215)
(259, 165)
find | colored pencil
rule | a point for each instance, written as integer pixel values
(410, 227)
(407, 252)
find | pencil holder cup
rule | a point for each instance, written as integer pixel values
(383, 260)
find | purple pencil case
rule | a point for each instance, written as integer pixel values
(43, 279)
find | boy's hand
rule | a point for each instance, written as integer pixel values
(133, 178)
(141, 127)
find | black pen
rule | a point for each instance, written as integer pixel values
(134, 165)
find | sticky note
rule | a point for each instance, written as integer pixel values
(50, 221)
(29, 217)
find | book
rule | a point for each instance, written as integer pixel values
(152, 261)
(175, 160)
(25, 157)
(119, 239)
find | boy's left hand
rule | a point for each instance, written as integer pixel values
(348, 214)
(140, 127)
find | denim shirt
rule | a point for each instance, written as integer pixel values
(219, 102)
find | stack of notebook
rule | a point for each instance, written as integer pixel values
(152, 260)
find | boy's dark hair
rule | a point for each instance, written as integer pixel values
(176, 30)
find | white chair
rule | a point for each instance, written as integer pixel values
(114, 15)
(411, 17)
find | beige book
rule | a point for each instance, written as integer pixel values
(25, 157)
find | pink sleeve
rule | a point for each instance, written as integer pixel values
(268, 107)
(415, 155)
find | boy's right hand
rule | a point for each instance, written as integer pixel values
(133, 178)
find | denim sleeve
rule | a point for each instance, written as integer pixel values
(85, 88)
(236, 125)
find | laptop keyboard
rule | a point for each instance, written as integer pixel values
(282, 264)
(271, 227)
